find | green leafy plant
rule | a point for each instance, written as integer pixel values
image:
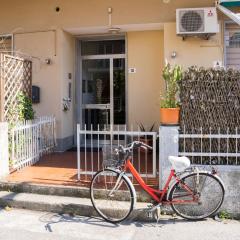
(24, 107)
(224, 215)
(172, 76)
(23, 111)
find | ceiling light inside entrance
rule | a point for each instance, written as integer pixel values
(112, 29)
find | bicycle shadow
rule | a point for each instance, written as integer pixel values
(55, 218)
(51, 219)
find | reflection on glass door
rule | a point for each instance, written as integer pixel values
(119, 91)
(96, 101)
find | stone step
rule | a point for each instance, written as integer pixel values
(57, 190)
(60, 204)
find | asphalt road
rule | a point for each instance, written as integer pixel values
(24, 225)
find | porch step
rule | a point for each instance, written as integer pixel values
(56, 190)
(60, 204)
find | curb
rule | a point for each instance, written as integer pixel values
(57, 190)
(59, 204)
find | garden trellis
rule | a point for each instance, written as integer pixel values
(210, 105)
(15, 77)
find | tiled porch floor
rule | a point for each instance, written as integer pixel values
(56, 169)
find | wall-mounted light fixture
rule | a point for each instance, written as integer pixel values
(48, 61)
(173, 54)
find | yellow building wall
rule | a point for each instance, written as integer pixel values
(37, 47)
(67, 53)
(193, 50)
(30, 22)
(31, 15)
(53, 80)
(145, 53)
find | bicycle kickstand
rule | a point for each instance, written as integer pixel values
(157, 210)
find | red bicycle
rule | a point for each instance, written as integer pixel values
(194, 194)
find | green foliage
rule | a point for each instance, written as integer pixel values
(23, 111)
(172, 77)
(224, 215)
(24, 107)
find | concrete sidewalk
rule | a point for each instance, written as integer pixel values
(28, 225)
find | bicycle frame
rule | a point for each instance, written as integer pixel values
(158, 195)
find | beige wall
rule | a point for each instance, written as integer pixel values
(67, 53)
(31, 15)
(52, 79)
(146, 50)
(192, 51)
(145, 53)
(37, 47)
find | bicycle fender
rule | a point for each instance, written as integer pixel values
(184, 175)
(132, 188)
(130, 184)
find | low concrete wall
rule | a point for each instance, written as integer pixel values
(4, 160)
(231, 179)
(230, 175)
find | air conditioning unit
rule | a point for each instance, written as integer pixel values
(197, 21)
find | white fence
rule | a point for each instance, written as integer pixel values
(221, 147)
(30, 139)
(91, 142)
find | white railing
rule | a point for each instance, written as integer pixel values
(30, 140)
(91, 142)
(221, 147)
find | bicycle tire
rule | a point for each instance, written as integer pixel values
(209, 202)
(121, 204)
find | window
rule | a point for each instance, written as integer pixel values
(102, 47)
(232, 45)
(6, 43)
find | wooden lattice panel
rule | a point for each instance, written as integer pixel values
(16, 77)
(210, 104)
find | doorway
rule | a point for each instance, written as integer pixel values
(102, 83)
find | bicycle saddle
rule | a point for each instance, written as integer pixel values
(179, 164)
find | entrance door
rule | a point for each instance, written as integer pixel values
(103, 85)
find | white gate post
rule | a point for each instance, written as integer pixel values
(168, 146)
(4, 157)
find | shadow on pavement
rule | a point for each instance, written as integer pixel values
(50, 219)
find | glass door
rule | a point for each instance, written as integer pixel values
(96, 93)
(103, 84)
(119, 102)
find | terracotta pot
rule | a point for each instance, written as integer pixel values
(169, 116)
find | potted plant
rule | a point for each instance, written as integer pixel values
(169, 108)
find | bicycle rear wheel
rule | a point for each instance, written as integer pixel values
(111, 197)
(206, 188)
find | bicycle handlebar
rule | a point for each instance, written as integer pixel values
(134, 144)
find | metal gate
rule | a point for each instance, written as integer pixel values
(91, 142)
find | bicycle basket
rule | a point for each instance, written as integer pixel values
(110, 157)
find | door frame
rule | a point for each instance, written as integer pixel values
(79, 58)
(111, 58)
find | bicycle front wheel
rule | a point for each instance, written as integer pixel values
(206, 198)
(111, 197)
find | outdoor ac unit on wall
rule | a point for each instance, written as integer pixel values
(197, 22)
